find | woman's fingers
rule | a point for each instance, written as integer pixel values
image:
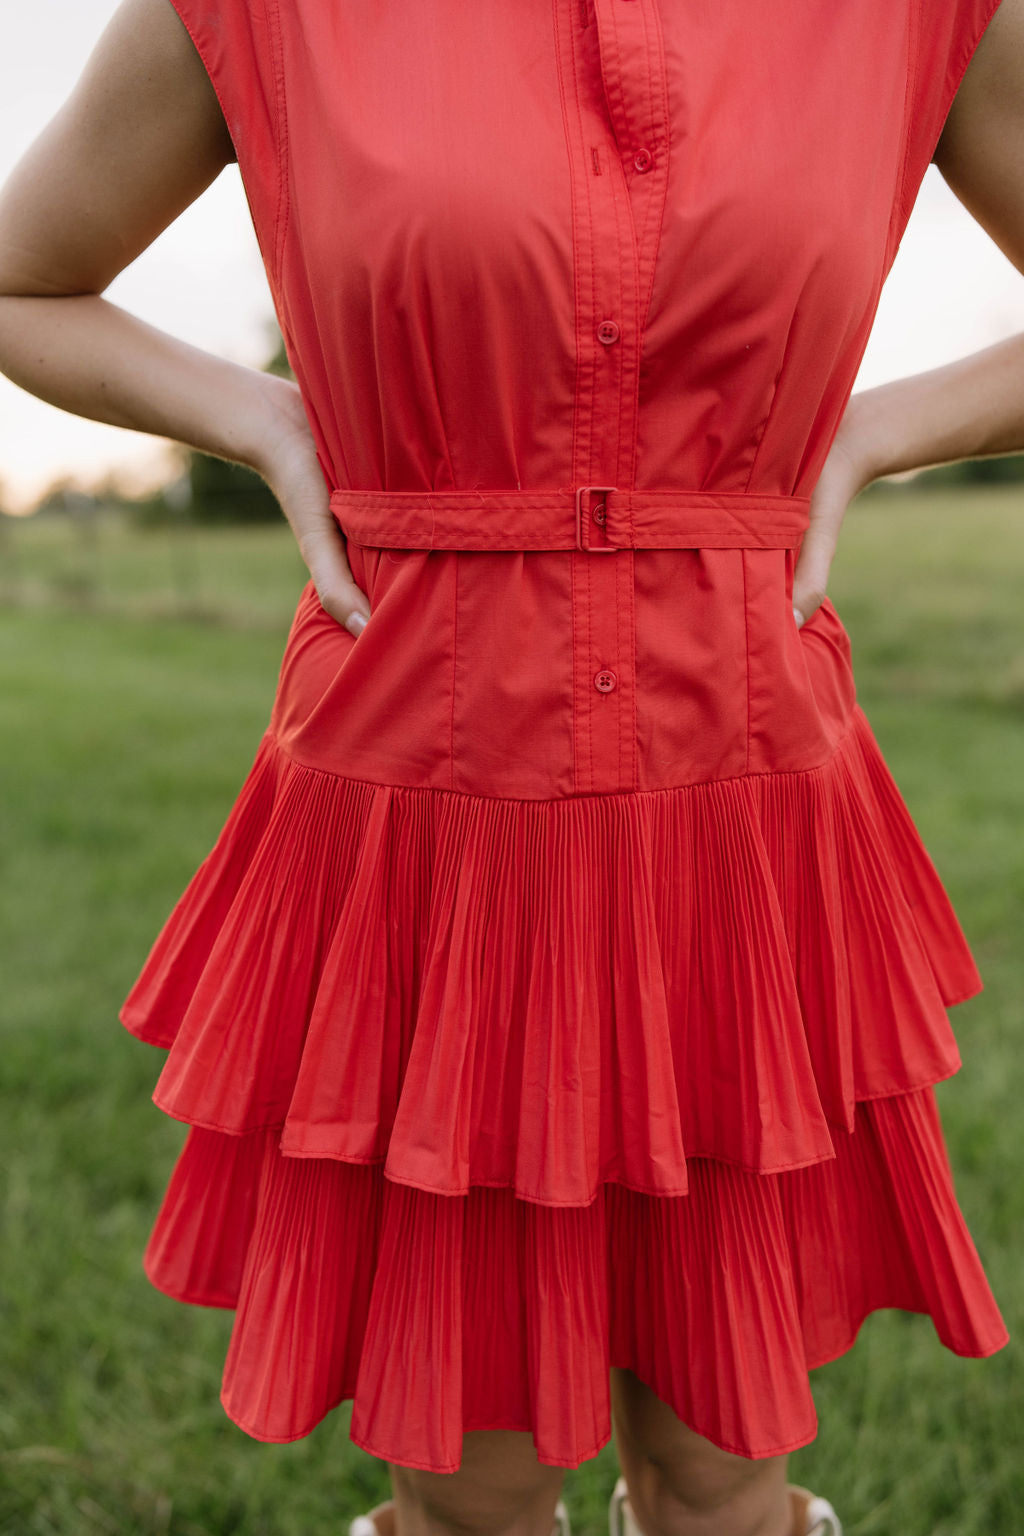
(292, 470)
(810, 578)
(844, 474)
(323, 550)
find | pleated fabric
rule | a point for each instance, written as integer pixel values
(465, 1078)
(552, 995)
(441, 1315)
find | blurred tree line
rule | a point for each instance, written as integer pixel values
(1000, 469)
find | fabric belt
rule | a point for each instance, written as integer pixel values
(599, 518)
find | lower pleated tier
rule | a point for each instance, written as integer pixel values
(441, 1314)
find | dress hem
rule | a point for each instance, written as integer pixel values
(364, 1441)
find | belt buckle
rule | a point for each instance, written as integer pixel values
(587, 490)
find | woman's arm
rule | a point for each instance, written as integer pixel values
(973, 406)
(140, 137)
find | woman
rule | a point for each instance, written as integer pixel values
(566, 990)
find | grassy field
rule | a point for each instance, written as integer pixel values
(136, 676)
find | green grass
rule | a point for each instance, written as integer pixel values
(133, 692)
(241, 576)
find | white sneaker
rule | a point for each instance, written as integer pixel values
(819, 1518)
(621, 1520)
(380, 1521)
(816, 1514)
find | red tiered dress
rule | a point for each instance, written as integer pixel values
(567, 984)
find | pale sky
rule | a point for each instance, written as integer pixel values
(951, 290)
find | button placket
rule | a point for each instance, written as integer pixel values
(613, 74)
(631, 43)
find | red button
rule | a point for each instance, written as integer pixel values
(605, 681)
(607, 332)
(643, 159)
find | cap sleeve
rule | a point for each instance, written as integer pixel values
(238, 42)
(943, 37)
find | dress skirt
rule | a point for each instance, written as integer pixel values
(487, 1094)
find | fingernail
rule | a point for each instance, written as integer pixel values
(355, 623)
(798, 616)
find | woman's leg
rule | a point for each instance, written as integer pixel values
(680, 1484)
(501, 1489)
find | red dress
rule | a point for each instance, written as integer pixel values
(567, 984)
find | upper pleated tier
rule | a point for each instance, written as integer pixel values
(548, 995)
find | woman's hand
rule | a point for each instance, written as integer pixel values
(847, 470)
(290, 467)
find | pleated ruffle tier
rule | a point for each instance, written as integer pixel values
(467, 1076)
(441, 1315)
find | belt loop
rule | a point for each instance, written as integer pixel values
(599, 515)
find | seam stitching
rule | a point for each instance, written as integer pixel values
(746, 660)
(913, 32)
(283, 214)
(843, 744)
(455, 655)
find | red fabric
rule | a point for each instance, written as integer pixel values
(439, 1315)
(567, 984)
